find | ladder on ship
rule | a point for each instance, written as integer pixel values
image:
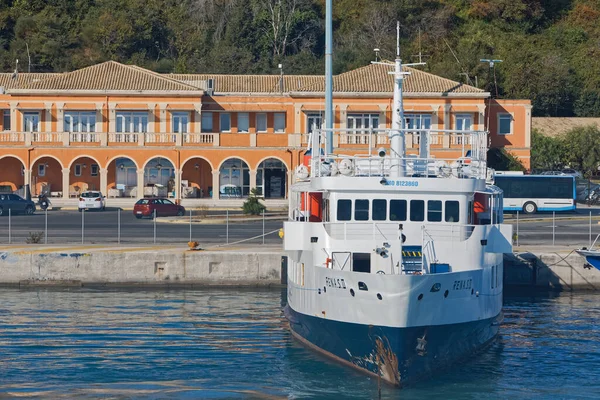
(412, 260)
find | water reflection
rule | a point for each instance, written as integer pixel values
(234, 344)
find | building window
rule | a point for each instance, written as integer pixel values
(128, 121)
(41, 169)
(417, 121)
(6, 120)
(261, 122)
(313, 122)
(31, 121)
(225, 122)
(75, 121)
(77, 169)
(505, 124)
(362, 122)
(180, 122)
(234, 179)
(279, 122)
(463, 122)
(94, 170)
(207, 122)
(243, 122)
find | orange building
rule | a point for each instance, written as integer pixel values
(131, 132)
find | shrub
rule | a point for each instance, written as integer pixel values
(34, 237)
(253, 206)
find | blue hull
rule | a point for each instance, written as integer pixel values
(399, 355)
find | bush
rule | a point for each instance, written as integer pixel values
(34, 237)
(253, 206)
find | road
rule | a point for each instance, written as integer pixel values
(102, 227)
(64, 227)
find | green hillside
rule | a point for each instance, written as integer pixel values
(550, 48)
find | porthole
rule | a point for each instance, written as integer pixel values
(379, 296)
(446, 293)
(352, 292)
(420, 296)
(324, 289)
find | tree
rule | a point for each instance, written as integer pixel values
(583, 149)
(547, 153)
(253, 206)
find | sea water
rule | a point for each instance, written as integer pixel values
(232, 343)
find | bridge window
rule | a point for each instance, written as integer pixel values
(398, 210)
(379, 210)
(344, 210)
(452, 212)
(417, 210)
(361, 210)
(434, 211)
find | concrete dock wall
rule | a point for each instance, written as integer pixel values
(549, 270)
(140, 268)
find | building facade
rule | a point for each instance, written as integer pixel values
(131, 132)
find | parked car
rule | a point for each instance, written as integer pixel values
(572, 172)
(163, 208)
(553, 173)
(92, 200)
(16, 204)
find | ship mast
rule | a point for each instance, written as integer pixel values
(328, 78)
(397, 142)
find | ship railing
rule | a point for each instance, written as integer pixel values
(469, 148)
(448, 232)
(362, 230)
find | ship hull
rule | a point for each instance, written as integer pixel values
(400, 356)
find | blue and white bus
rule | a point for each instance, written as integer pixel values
(532, 193)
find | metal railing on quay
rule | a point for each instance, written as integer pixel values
(118, 227)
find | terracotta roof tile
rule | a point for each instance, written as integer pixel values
(248, 83)
(374, 78)
(110, 76)
(23, 79)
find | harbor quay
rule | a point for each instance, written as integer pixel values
(176, 266)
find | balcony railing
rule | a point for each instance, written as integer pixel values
(199, 138)
(84, 137)
(12, 137)
(46, 137)
(123, 138)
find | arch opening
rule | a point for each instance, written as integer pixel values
(12, 178)
(234, 179)
(271, 179)
(84, 175)
(159, 178)
(196, 178)
(121, 178)
(46, 177)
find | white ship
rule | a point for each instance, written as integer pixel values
(395, 262)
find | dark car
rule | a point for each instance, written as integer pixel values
(16, 204)
(163, 208)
